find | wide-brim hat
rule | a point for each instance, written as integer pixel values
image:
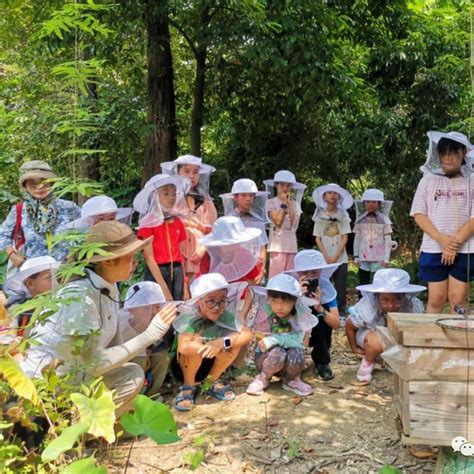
(30, 267)
(391, 280)
(284, 176)
(283, 283)
(169, 167)
(144, 293)
(228, 230)
(458, 137)
(345, 202)
(118, 238)
(372, 195)
(208, 283)
(308, 260)
(141, 204)
(35, 169)
(244, 185)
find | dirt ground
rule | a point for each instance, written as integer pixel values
(341, 428)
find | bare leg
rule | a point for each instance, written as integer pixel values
(190, 365)
(437, 296)
(222, 361)
(372, 347)
(457, 293)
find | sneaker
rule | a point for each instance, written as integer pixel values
(298, 386)
(324, 372)
(364, 374)
(258, 385)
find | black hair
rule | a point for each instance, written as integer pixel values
(282, 295)
(178, 167)
(446, 146)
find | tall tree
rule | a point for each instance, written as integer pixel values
(161, 142)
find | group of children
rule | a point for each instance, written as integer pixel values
(214, 270)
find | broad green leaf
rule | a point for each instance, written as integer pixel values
(98, 412)
(18, 380)
(84, 465)
(65, 441)
(153, 419)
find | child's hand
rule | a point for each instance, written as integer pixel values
(167, 313)
(449, 241)
(210, 350)
(261, 345)
(331, 259)
(385, 264)
(306, 339)
(447, 257)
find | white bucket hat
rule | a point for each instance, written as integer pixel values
(432, 164)
(391, 280)
(345, 202)
(284, 176)
(209, 283)
(229, 230)
(145, 293)
(307, 260)
(30, 267)
(373, 195)
(96, 206)
(170, 167)
(245, 185)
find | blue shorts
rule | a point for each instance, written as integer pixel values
(432, 270)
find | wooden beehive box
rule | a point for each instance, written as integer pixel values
(431, 369)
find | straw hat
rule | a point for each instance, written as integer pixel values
(228, 230)
(345, 202)
(145, 293)
(30, 267)
(35, 169)
(391, 280)
(119, 240)
(169, 167)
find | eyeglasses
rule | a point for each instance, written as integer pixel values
(211, 304)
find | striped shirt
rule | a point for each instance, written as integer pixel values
(448, 204)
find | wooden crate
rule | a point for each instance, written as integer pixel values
(431, 392)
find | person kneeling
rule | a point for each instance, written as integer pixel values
(210, 335)
(391, 292)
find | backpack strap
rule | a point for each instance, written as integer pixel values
(18, 234)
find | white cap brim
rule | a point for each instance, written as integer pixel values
(15, 283)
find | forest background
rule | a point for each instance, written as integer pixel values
(334, 90)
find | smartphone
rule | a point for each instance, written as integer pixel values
(313, 285)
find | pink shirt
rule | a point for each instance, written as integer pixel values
(283, 238)
(448, 204)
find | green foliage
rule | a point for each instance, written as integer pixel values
(389, 470)
(18, 380)
(84, 465)
(151, 418)
(64, 442)
(194, 458)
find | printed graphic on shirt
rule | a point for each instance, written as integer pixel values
(448, 194)
(331, 229)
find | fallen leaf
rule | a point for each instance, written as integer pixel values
(361, 393)
(296, 400)
(420, 453)
(360, 384)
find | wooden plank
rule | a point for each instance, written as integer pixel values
(420, 330)
(449, 462)
(402, 399)
(438, 410)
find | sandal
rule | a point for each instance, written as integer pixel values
(186, 393)
(219, 390)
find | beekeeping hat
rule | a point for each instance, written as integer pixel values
(345, 201)
(284, 176)
(373, 195)
(145, 293)
(307, 260)
(391, 280)
(229, 230)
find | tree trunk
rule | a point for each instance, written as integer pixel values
(161, 142)
(199, 86)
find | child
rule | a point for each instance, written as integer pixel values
(313, 273)
(230, 249)
(248, 203)
(142, 301)
(202, 212)
(331, 228)
(442, 208)
(391, 292)
(373, 230)
(98, 209)
(282, 325)
(160, 203)
(35, 277)
(284, 213)
(210, 337)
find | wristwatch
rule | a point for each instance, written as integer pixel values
(227, 343)
(284, 206)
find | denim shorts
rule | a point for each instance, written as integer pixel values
(432, 270)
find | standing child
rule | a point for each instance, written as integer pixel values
(442, 208)
(332, 226)
(160, 203)
(373, 234)
(210, 335)
(142, 301)
(314, 272)
(391, 292)
(199, 204)
(248, 203)
(282, 325)
(284, 211)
